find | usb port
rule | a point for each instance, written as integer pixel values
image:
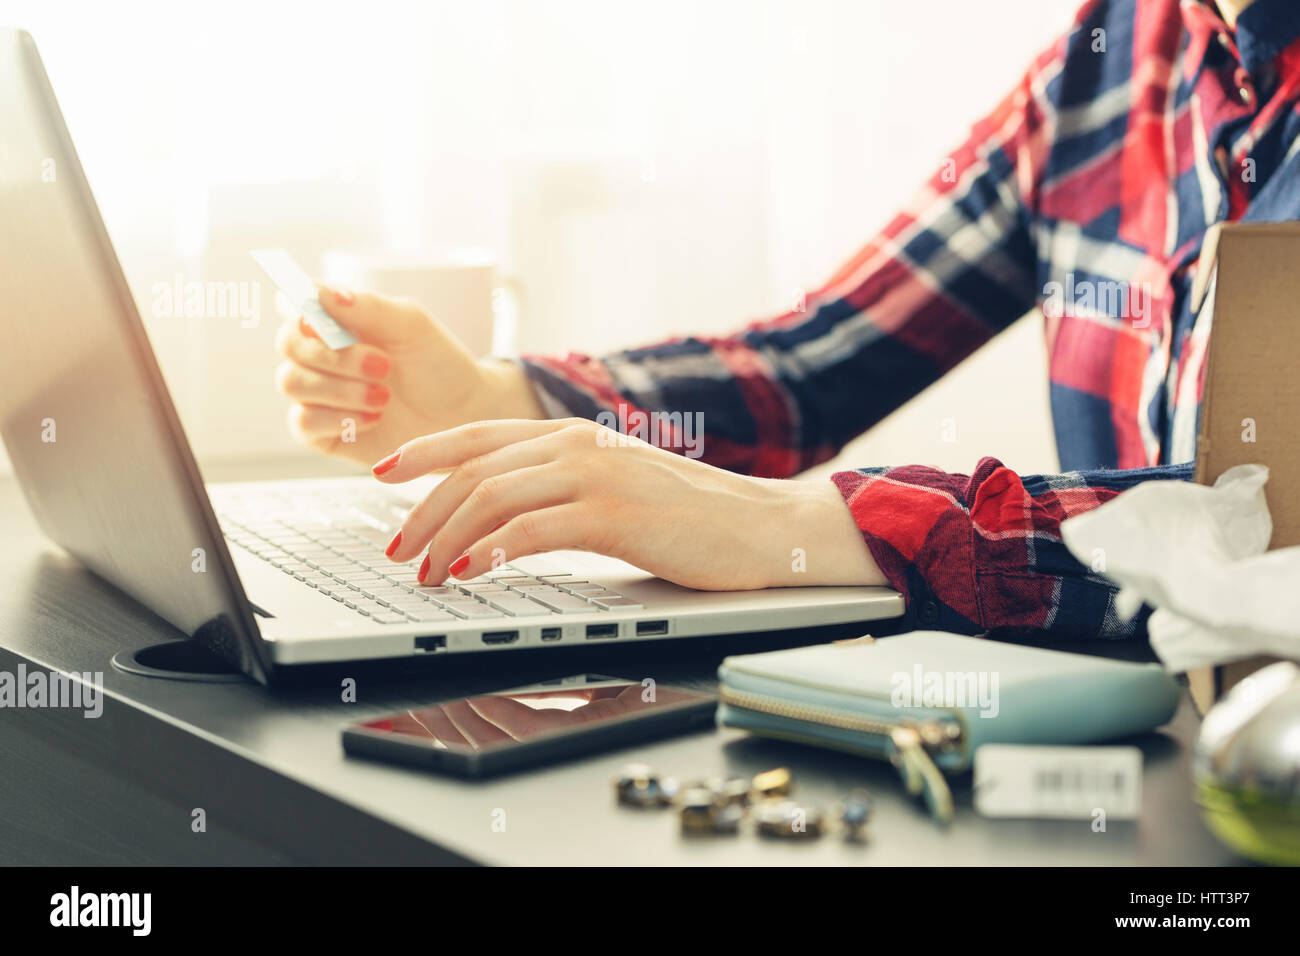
(550, 633)
(597, 631)
(430, 643)
(500, 637)
(651, 628)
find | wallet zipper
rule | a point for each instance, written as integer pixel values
(914, 741)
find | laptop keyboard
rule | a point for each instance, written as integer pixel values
(339, 551)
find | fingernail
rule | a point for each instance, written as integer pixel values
(371, 416)
(459, 565)
(424, 569)
(306, 329)
(376, 394)
(392, 545)
(387, 464)
(341, 296)
(375, 366)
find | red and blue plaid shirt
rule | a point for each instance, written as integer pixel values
(1085, 196)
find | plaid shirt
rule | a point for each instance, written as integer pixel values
(1085, 194)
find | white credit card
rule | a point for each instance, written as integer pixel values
(1063, 783)
(290, 279)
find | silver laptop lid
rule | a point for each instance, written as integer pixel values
(94, 438)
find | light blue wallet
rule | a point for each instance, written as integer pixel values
(926, 700)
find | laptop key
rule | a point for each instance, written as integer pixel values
(518, 606)
(472, 611)
(563, 603)
(389, 618)
(326, 564)
(431, 615)
(409, 578)
(615, 602)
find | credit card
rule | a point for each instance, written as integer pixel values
(290, 279)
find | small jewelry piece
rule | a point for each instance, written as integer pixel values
(773, 783)
(702, 813)
(640, 786)
(854, 813)
(734, 791)
(788, 820)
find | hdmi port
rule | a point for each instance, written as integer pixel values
(500, 637)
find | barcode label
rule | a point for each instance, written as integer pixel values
(1080, 781)
(1058, 782)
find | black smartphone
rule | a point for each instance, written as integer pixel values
(542, 723)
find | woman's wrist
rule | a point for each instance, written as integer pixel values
(821, 543)
(508, 391)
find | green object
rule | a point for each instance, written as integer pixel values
(1247, 766)
(1252, 823)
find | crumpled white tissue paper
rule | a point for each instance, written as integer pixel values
(1197, 555)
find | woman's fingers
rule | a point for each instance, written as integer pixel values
(378, 318)
(438, 725)
(557, 528)
(477, 731)
(454, 446)
(479, 478)
(494, 502)
(309, 387)
(313, 423)
(519, 720)
(300, 345)
(504, 478)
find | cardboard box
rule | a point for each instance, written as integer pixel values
(1249, 274)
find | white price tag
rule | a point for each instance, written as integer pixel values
(1064, 783)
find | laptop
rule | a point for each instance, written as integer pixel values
(269, 575)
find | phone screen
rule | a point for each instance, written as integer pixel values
(571, 705)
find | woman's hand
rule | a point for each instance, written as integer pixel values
(407, 376)
(518, 487)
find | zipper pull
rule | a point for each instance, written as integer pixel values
(921, 775)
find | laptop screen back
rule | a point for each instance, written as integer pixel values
(86, 419)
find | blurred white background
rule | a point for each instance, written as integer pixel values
(641, 169)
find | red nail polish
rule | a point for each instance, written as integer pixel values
(375, 366)
(306, 329)
(387, 464)
(393, 545)
(376, 394)
(459, 565)
(424, 569)
(371, 416)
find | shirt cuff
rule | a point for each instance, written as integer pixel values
(921, 539)
(550, 390)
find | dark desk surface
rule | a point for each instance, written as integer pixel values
(267, 769)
